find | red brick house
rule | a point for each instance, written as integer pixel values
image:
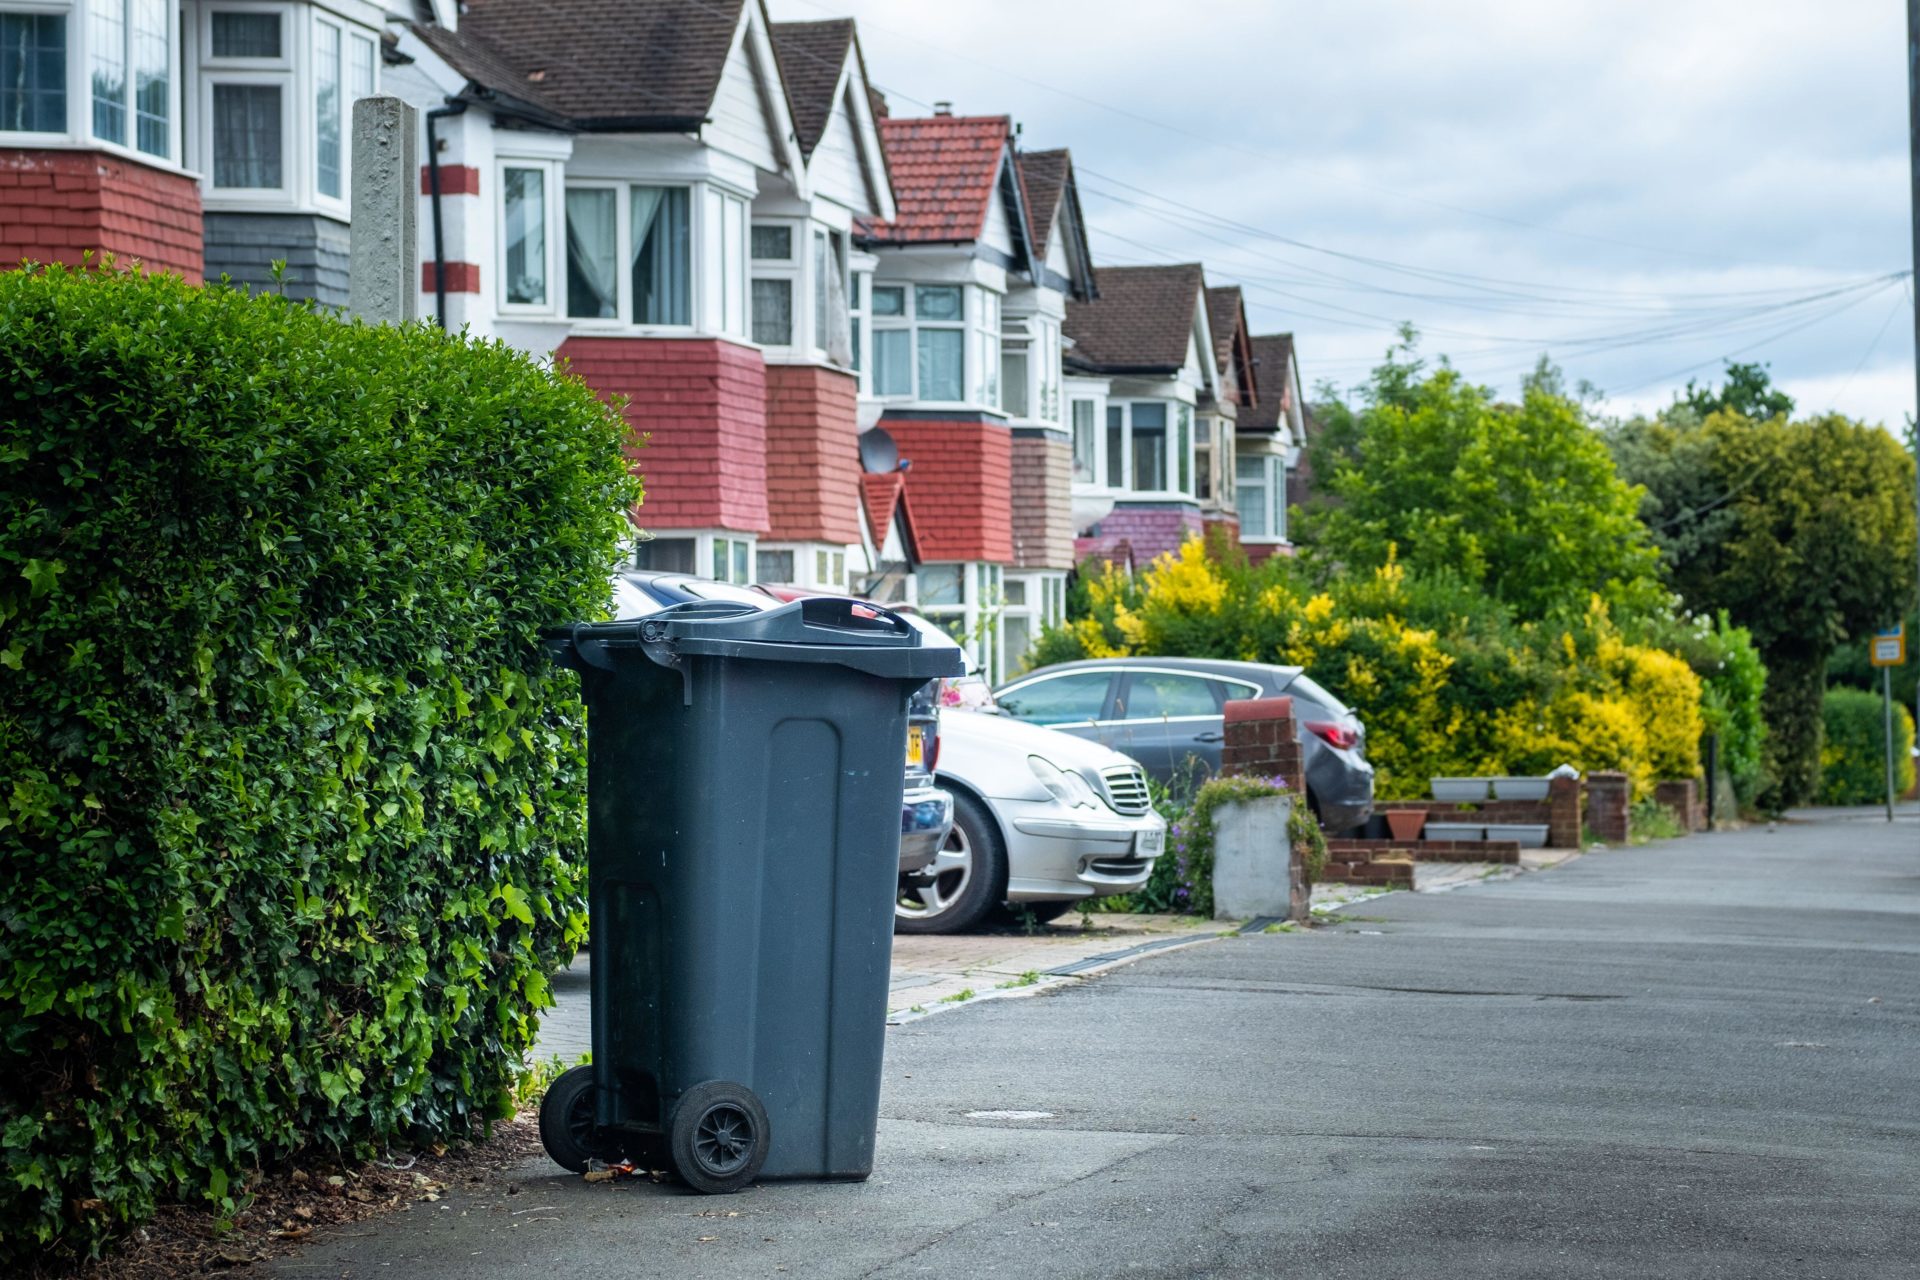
(1271, 438)
(961, 368)
(1144, 359)
(667, 203)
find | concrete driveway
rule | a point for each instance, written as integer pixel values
(1700, 1058)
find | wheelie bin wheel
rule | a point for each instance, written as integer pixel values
(567, 1130)
(719, 1137)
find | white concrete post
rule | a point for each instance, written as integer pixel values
(1255, 872)
(383, 282)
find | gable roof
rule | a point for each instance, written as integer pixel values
(1273, 379)
(944, 170)
(882, 493)
(1044, 176)
(1141, 322)
(609, 65)
(812, 56)
(1227, 321)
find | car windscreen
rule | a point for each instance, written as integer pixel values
(629, 601)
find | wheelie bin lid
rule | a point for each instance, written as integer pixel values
(831, 630)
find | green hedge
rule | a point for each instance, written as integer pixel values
(294, 805)
(1853, 756)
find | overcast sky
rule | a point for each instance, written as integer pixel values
(1634, 189)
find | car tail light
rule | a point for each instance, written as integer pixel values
(1335, 735)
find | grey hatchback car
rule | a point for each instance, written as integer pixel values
(1161, 711)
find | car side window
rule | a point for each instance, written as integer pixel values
(1154, 695)
(1062, 699)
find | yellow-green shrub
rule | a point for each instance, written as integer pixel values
(1446, 681)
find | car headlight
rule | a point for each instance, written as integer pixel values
(1066, 786)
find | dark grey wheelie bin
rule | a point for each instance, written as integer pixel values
(744, 783)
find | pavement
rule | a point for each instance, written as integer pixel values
(1695, 1058)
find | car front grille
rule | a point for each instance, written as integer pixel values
(1127, 789)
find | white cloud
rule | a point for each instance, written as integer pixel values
(1665, 148)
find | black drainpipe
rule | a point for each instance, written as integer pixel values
(454, 107)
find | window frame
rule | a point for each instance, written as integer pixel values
(553, 198)
(787, 269)
(703, 246)
(978, 325)
(1177, 449)
(76, 106)
(278, 71)
(1275, 507)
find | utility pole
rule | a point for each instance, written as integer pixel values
(1913, 210)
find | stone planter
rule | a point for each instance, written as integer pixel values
(1456, 831)
(1529, 835)
(1460, 790)
(1405, 824)
(1254, 871)
(1521, 788)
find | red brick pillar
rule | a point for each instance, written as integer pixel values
(1609, 799)
(1263, 743)
(1563, 813)
(1681, 798)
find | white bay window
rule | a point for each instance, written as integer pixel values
(657, 256)
(33, 72)
(98, 72)
(936, 343)
(1260, 490)
(1146, 447)
(530, 258)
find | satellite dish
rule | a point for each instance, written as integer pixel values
(878, 453)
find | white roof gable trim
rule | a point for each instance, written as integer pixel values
(754, 44)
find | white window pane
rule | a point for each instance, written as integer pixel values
(773, 243)
(941, 365)
(662, 256)
(740, 554)
(773, 316)
(721, 560)
(526, 235)
(936, 302)
(152, 78)
(360, 70)
(892, 361)
(734, 257)
(107, 34)
(1013, 377)
(773, 566)
(246, 35)
(593, 255)
(1250, 476)
(889, 300)
(33, 72)
(821, 269)
(1083, 441)
(326, 106)
(941, 584)
(1149, 446)
(246, 136)
(1116, 446)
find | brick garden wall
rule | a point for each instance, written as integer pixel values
(1609, 801)
(56, 205)
(1261, 742)
(703, 404)
(813, 454)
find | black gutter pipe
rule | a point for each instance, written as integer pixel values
(453, 107)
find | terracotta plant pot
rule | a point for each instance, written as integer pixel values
(1405, 824)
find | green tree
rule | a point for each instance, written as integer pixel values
(1803, 532)
(1521, 501)
(1748, 391)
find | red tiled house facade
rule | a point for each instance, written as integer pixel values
(1144, 365)
(667, 202)
(962, 370)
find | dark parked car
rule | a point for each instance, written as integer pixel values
(1166, 713)
(926, 812)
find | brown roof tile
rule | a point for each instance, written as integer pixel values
(1272, 355)
(1043, 180)
(812, 56)
(626, 64)
(1141, 322)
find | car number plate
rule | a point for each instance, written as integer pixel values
(916, 746)
(1150, 844)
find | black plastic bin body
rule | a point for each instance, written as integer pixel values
(744, 781)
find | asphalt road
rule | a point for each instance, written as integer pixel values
(1701, 1058)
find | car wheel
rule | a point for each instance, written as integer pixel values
(966, 880)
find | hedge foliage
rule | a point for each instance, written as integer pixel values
(295, 805)
(1853, 754)
(1446, 680)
